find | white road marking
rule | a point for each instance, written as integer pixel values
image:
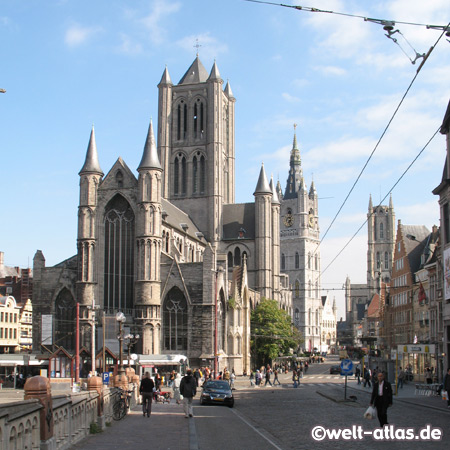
(254, 429)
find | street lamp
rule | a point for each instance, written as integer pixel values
(132, 340)
(120, 318)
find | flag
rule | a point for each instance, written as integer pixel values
(422, 294)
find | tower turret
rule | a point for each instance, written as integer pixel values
(276, 206)
(87, 241)
(295, 171)
(148, 245)
(263, 234)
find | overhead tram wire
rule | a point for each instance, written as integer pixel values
(357, 16)
(384, 198)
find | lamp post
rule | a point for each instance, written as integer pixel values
(120, 318)
(92, 308)
(132, 340)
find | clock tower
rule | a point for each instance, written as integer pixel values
(300, 254)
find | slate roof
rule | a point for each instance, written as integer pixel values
(237, 216)
(414, 248)
(195, 74)
(175, 217)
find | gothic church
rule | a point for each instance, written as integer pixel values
(169, 246)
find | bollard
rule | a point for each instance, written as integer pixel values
(121, 381)
(39, 388)
(96, 384)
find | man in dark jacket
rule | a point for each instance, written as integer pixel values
(447, 386)
(146, 390)
(381, 397)
(188, 389)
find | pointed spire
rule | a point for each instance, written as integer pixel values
(295, 180)
(228, 91)
(150, 158)
(370, 204)
(195, 74)
(279, 190)
(275, 199)
(91, 164)
(295, 152)
(165, 79)
(263, 185)
(214, 75)
(312, 189)
(391, 203)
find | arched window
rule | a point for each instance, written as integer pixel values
(179, 122)
(199, 122)
(378, 260)
(183, 176)
(176, 177)
(297, 260)
(119, 254)
(194, 175)
(297, 289)
(316, 258)
(239, 345)
(381, 230)
(237, 256)
(283, 262)
(175, 321)
(386, 261)
(309, 260)
(65, 314)
(185, 121)
(297, 317)
(119, 179)
(202, 174)
(230, 260)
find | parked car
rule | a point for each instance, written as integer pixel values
(217, 392)
(335, 369)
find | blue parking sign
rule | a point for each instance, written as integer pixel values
(105, 377)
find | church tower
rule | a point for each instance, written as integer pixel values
(381, 242)
(300, 255)
(90, 178)
(196, 145)
(148, 247)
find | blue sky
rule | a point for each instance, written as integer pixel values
(68, 64)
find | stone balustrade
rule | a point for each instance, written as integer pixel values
(43, 421)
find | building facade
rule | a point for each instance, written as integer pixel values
(169, 247)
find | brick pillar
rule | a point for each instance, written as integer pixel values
(96, 384)
(39, 388)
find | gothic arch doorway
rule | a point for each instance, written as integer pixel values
(65, 316)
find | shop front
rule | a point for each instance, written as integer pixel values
(415, 359)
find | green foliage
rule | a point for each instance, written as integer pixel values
(273, 333)
(94, 428)
(232, 303)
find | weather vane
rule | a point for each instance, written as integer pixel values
(197, 45)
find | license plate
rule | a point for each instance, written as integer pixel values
(218, 399)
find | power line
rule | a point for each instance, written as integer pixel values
(366, 19)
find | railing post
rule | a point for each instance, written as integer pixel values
(39, 388)
(96, 384)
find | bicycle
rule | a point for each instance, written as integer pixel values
(122, 404)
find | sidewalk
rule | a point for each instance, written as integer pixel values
(165, 429)
(406, 395)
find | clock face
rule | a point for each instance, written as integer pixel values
(311, 220)
(288, 220)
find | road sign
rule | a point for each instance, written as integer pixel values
(105, 377)
(346, 367)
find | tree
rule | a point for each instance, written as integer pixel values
(273, 333)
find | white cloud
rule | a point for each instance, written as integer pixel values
(331, 70)
(77, 34)
(128, 45)
(290, 98)
(153, 22)
(419, 213)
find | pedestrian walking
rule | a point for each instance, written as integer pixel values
(428, 375)
(268, 372)
(146, 390)
(176, 388)
(367, 377)
(188, 389)
(358, 374)
(381, 398)
(295, 378)
(447, 386)
(252, 378)
(401, 378)
(275, 377)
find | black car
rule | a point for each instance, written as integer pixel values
(335, 369)
(217, 392)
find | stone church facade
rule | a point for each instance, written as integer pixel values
(169, 246)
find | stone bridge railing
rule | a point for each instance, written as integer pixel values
(43, 421)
